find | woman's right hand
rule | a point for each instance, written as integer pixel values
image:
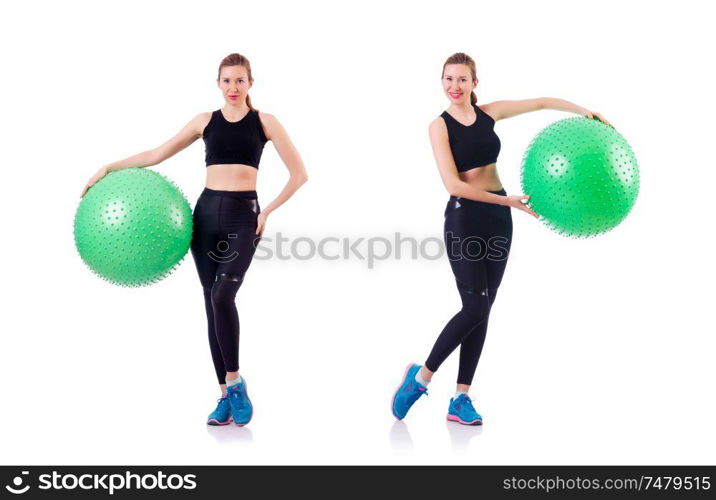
(516, 202)
(93, 180)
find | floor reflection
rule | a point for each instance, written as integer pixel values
(230, 434)
(460, 435)
(400, 436)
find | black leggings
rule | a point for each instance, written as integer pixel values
(478, 237)
(223, 244)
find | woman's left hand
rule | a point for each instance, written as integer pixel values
(261, 222)
(593, 114)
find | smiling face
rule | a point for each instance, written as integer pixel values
(234, 84)
(458, 83)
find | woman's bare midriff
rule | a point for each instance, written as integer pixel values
(231, 177)
(484, 178)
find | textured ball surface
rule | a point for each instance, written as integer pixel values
(133, 227)
(581, 175)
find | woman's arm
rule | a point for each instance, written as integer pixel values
(448, 170)
(499, 110)
(290, 157)
(452, 182)
(191, 132)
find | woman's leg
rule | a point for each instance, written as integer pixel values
(237, 245)
(499, 231)
(465, 249)
(203, 244)
(471, 348)
(474, 312)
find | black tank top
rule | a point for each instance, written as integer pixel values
(474, 145)
(234, 142)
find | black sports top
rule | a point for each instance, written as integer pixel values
(473, 145)
(234, 142)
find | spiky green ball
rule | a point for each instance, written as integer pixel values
(133, 227)
(581, 175)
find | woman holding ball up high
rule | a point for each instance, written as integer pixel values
(478, 226)
(228, 222)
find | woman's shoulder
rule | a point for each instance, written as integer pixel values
(205, 116)
(202, 121)
(489, 109)
(268, 124)
(439, 123)
(265, 117)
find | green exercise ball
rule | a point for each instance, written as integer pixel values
(133, 227)
(581, 175)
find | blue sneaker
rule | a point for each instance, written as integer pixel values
(461, 410)
(408, 392)
(222, 414)
(241, 408)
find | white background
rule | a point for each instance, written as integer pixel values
(599, 351)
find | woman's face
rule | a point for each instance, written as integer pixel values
(457, 83)
(234, 84)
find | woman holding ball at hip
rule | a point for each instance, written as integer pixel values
(478, 226)
(228, 222)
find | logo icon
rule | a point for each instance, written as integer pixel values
(17, 482)
(223, 247)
